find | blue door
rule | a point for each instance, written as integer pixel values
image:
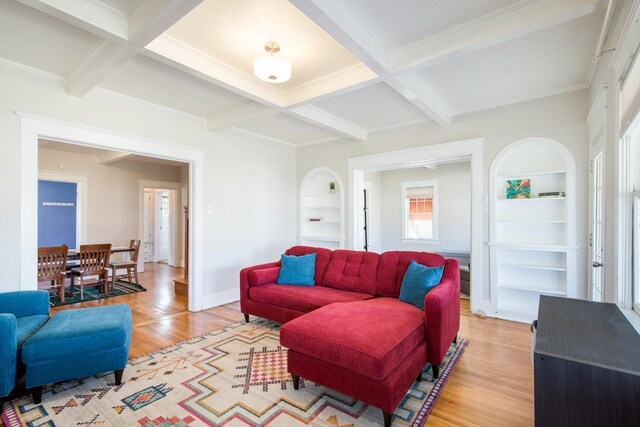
(57, 213)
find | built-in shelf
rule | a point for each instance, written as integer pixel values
(530, 174)
(532, 199)
(532, 247)
(532, 266)
(321, 196)
(531, 221)
(525, 288)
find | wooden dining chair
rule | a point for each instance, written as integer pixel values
(94, 261)
(130, 266)
(52, 265)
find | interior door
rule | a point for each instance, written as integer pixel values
(596, 215)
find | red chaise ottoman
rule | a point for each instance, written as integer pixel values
(372, 350)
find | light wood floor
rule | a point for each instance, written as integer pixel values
(491, 386)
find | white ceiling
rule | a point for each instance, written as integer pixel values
(359, 66)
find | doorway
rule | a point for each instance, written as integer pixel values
(159, 229)
(34, 128)
(469, 150)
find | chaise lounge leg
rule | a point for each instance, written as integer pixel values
(296, 381)
(436, 371)
(246, 317)
(387, 418)
(455, 340)
(419, 378)
(118, 374)
(36, 394)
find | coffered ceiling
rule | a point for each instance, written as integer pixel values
(359, 66)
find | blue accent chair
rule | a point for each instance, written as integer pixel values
(22, 314)
(78, 343)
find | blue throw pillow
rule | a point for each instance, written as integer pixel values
(297, 270)
(417, 282)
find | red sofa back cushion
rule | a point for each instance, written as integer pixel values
(353, 271)
(394, 264)
(322, 259)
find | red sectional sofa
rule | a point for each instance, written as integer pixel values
(350, 332)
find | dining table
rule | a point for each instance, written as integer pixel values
(73, 256)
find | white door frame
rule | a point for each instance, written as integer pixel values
(160, 185)
(34, 127)
(82, 200)
(470, 149)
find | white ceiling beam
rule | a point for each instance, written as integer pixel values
(328, 121)
(236, 116)
(338, 20)
(524, 17)
(148, 21)
(414, 90)
(90, 16)
(112, 157)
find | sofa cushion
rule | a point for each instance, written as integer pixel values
(393, 266)
(354, 271)
(297, 270)
(381, 333)
(302, 298)
(27, 326)
(322, 258)
(70, 333)
(417, 282)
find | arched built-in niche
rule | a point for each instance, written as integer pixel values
(533, 227)
(321, 209)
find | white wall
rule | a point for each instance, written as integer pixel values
(561, 118)
(454, 208)
(250, 182)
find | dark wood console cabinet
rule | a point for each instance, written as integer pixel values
(586, 365)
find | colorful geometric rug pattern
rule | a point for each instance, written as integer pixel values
(233, 376)
(121, 287)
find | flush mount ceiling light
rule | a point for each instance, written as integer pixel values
(271, 69)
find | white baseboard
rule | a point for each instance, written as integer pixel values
(220, 298)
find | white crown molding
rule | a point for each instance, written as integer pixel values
(260, 136)
(358, 75)
(400, 125)
(325, 120)
(320, 141)
(512, 101)
(31, 70)
(110, 10)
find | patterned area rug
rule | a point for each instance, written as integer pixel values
(121, 287)
(233, 376)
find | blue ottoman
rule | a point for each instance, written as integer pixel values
(78, 343)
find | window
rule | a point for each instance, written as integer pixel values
(420, 210)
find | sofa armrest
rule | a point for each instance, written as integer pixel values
(25, 303)
(263, 276)
(244, 280)
(442, 313)
(8, 352)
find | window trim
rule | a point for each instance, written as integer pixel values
(434, 239)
